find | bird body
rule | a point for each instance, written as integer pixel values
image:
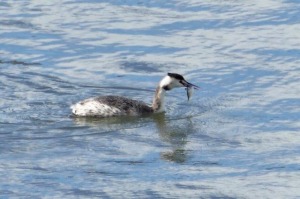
(109, 106)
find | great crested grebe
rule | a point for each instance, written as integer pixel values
(108, 106)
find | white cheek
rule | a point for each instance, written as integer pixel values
(165, 81)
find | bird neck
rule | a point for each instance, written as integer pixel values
(158, 104)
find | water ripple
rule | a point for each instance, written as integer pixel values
(237, 135)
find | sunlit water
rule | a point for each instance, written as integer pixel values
(238, 137)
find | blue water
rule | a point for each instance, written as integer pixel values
(238, 137)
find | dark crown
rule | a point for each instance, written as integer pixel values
(176, 76)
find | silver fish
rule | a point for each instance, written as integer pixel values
(189, 92)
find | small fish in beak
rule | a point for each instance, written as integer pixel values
(189, 91)
(189, 87)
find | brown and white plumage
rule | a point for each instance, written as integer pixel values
(108, 106)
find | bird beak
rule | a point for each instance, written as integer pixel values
(187, 84)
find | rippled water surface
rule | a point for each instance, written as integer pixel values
(238, 137)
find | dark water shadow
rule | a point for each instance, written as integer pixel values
(17, 23)
(135, 66)
(17, 62)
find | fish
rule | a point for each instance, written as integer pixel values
(189, 91)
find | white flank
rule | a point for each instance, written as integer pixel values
(90, 107)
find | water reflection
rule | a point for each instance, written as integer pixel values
(174, 134)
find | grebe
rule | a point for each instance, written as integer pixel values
(108, 106)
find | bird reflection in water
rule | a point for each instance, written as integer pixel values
(173, 132)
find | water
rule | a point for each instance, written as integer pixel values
(236, 138)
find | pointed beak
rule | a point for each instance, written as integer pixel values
(187, 84)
